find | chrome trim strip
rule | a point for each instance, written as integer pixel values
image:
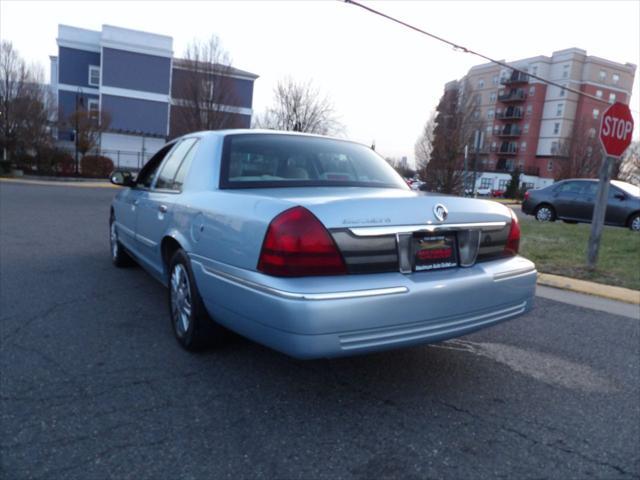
(146, 241)
(126, 230)
(513, 273)
(375, 231)
(374, 292)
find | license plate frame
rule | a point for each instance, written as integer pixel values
(434, 252)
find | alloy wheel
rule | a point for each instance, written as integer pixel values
(544, 214)
(113, 238)
(181, 305)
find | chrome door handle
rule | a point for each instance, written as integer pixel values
(163, 208)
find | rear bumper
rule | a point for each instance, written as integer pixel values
(346, 315)
(527, 207)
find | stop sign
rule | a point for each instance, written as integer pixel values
(616, 129)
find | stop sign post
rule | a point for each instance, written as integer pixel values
(616, 129)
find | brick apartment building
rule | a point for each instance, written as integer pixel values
(528, 124)
(133, 76)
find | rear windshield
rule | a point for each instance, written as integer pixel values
(264, 160)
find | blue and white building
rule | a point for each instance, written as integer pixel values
(127, 74)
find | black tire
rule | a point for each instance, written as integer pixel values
(119, 256)
(545, 213)
(634, 222)
(193, 327)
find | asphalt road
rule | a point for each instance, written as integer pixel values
(93, 385)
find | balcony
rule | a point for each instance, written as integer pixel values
(508, 148)
(510, 131)
(515, 79)
(513, 96)
(510, 114)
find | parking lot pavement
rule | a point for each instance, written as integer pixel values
(94, 386)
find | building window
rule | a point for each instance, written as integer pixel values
(526, 128)
(490, 114)
(565, 71)
(592, 133)
(495, 80)
(486, 182)
(599, 93)
(489, 130)
(603, 75)
(476, 114)
(615, 78)
(534, 70)
(596, 113)
(554, 147)
(559, 108)
(523, 147)
(550, 166)
(94, 76)
(93, 106)
(532, 91)
(562, 90)
(612, 98)
(529, 110)
(492, 97)
(481, 83)
(556, 128)
(502, 184)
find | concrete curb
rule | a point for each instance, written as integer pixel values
(63, 183)
(590, 288)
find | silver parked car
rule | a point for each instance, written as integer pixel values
(313, 246)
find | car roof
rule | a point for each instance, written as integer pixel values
(261, 131)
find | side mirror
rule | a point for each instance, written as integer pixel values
(620, 196)
(122, 178)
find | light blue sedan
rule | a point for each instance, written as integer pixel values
(313, 246)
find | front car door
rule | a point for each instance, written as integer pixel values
(156, 205)
(617, 207)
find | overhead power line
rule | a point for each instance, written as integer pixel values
(464, 49)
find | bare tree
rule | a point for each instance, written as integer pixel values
(580, 156)
(203, 89)
(457, 118)
(89, 126)
(299, 106)
(424, 145)
(630, 168)
(24, 106)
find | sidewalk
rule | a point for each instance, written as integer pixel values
(60, 182)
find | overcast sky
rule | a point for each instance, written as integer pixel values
(383, 79)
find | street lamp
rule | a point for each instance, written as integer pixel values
(79, 103)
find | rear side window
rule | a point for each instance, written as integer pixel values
(571, 187)
(270, 160)
(172, 163)
(184, 167)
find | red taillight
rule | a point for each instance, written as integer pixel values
(297, 244)
(513, 240)
(526, 195)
